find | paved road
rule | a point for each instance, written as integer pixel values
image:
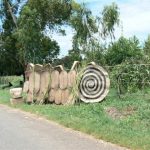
(23, 131)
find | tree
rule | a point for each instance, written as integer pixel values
(147, 46)
(96, 53)
(8, 55)
(84, 26)
(108, 20)
(67, 61)
(122, 50)
(28, 41)
(35, 18)
(91, 33)
(23, 37)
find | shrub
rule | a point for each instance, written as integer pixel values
(132, 75)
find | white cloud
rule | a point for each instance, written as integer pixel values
(136, 18)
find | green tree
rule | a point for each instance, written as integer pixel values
(67, 61)
(108, 20)
(92, 33)
(8, 55)
(84, 25)
(28, 40)
(35, 18)
(122, 50)
(96, 53)
(24, 37)
(147, 46)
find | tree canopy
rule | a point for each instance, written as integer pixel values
(122, 50)
(25, 36)
(23, 33)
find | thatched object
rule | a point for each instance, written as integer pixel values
(51, 97)
(63, 80)
(71, 78)
(45, 83)
(59, 68)
(90, 84)
(37, 78)
(26, 87)
(75, 65)
(31, 82)
(58, 94)
(37, 82)
(71, 99)
(29, 69)
(64, 96)
(30, 97)
(55, 79)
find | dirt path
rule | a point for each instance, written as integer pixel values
(23, 131)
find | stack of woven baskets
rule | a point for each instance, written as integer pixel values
(47, 84)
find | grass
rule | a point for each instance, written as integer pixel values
(13, 79)
(132, 131)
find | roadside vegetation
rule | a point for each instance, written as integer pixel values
(125, 121)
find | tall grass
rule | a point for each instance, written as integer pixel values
(14, 80)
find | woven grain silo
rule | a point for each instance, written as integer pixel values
(64, 96)
(58, 94)
(44, 83)
(51, 97)
(63, 80)
(55, 79)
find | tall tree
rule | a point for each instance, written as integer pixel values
(123, 49)
(91, 33)
(27, 40)
(8, 55)
(35, 18)
(147, 46)
(108, 20)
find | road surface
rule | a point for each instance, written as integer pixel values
(23, 131)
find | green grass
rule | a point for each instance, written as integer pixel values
(14, 80)
(4, 96)
(132, 131)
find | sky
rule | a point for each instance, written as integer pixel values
(134, 16)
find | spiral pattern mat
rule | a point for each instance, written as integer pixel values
(94, 84)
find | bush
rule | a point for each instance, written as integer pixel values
(14, 80)
(132, 75)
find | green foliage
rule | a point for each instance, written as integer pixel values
(95, 53)
(8, 54)
(91, 32)
(51, 13)
(24, 35)
(132, 75)
(14, 80)
(33, 45)
(147, 46)
(110, 18)
(67, 61)
(123, 49)
(23, 38)
(84, 25)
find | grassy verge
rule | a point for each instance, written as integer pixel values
(125, 122)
